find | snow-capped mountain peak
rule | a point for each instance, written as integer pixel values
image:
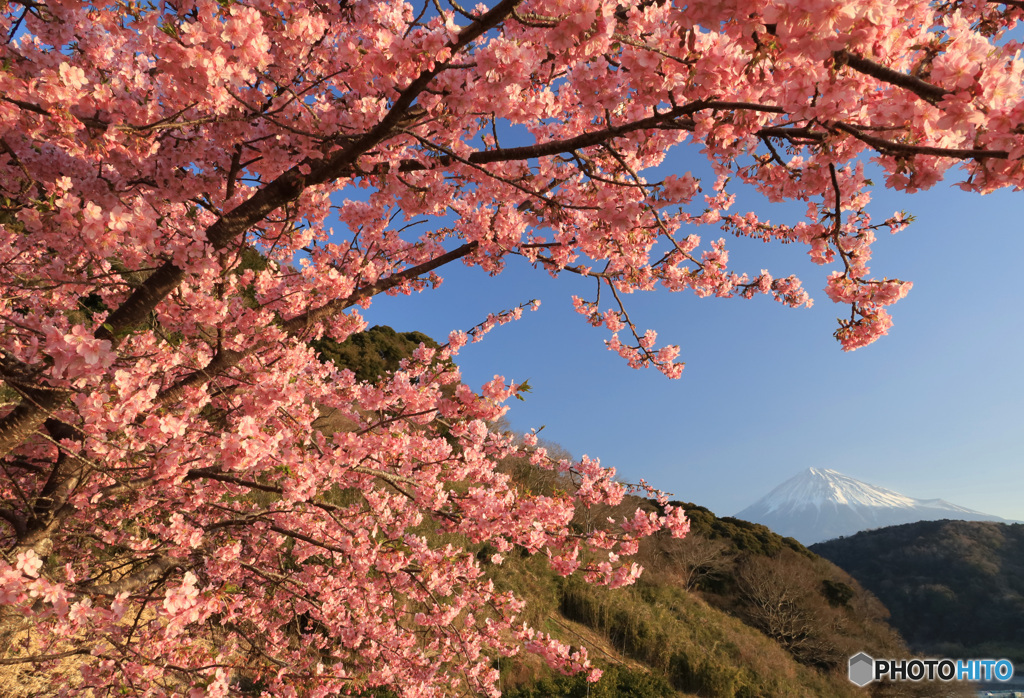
(818, 486)
(820, 503)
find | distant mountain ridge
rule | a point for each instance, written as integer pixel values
(820, 504)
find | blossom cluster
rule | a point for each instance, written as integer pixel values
(195, 195)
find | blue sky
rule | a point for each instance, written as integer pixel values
(935, 409)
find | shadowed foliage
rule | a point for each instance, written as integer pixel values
(953, 587)
(372, 353)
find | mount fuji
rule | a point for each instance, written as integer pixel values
(820, 504)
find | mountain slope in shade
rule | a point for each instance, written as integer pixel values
(820, 504)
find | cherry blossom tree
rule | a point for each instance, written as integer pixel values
(171, 517)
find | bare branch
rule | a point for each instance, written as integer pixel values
(157, 568)
(39, 658)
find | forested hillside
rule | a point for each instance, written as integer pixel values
(953, 587)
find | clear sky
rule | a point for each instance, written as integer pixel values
(934, 410)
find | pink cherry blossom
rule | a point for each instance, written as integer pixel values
(28, 562)
(193, 195)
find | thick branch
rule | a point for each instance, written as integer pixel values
(893, 148)
(586, 140)
(16, 521)
(26, 418)
(925, 90)
(676, 119)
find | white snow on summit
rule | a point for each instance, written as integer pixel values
(816, 486)
(819, 504)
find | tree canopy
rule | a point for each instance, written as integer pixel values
(193, 192)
